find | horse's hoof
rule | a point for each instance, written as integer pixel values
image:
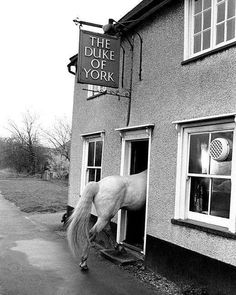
(120, 249)
(83, 267)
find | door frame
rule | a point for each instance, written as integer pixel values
(128, 135)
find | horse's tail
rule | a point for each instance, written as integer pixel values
(77, 232)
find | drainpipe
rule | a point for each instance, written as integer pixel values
(131, 80)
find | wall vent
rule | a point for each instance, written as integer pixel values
(220, 149)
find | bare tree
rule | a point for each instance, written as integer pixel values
(60, 137)
(26, 137)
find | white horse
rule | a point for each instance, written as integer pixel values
(108, 195)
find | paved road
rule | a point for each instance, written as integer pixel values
(36, 261)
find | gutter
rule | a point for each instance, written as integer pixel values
(141, 12)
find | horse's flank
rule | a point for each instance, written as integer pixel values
(117, 192)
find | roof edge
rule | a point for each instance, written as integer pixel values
(140, 12)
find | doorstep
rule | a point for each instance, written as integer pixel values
(123, 257)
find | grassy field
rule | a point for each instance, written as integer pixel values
(32, 194)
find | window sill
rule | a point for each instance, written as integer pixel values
(97, 95)
(203, 55)
(208, 228)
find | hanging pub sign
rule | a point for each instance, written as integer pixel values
(99, 59)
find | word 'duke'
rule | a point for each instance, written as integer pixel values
(99, 59)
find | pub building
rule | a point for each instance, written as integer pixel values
(157, 91)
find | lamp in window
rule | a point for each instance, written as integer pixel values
(204, 157)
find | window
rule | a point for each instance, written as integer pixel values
(94, 161)
(95, 89)
(92, 157)
(206, 168)
(209, 24)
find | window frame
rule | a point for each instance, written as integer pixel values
(182, 196)
(87, 138)
(189, 31)
(93, 167)
(94, 90)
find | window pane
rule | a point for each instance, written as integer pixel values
(220, 198)
(98, 175)
(221, 12)
(230, 29)
(220, 30)
(207, 4)
(198, 156)
(98, 159)
(222, 167)
(91, 174)
(231, 8)
(206, 39)
(197, 43)
(197, 23)
(207, 19)
(197, 6)
(91, 154)
(199, 195)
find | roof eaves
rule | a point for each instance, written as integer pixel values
(139, 13)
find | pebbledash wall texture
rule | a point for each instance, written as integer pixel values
(169, 91)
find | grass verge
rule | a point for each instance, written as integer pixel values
(35, 195)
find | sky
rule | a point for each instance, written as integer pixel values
(37, 39)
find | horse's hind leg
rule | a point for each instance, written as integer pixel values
(98, 226)
(112, 239)
(110, 235)
(84, 257)
(86, 249)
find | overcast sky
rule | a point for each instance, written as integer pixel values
(37, 39)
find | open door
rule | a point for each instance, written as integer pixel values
(135, 154)
(135, 220)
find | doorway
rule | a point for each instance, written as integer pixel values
(135, 220)
(135, 157)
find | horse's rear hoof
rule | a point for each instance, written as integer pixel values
(83, 267)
